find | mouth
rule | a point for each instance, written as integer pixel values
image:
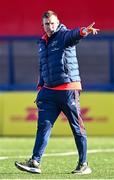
(50, 32)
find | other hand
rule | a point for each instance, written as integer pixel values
(90, 29)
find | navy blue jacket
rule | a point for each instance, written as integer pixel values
(58, 61)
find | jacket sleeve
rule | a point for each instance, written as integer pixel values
(72, 37)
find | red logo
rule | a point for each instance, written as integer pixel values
(31, 114)
(86, 117)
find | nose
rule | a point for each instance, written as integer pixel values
(51, 26)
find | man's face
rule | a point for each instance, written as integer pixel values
(50, 24)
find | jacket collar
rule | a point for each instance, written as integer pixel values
(45, 37)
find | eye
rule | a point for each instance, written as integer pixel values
(47, 24)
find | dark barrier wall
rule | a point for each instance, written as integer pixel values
(23, 17)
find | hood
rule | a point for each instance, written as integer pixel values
(62, 27)
(44, 36)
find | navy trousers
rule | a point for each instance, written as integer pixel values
(50, 103)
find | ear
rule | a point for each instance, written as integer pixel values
(58, 22)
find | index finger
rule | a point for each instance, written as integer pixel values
(91, 25)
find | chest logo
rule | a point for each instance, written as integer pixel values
(54, 43)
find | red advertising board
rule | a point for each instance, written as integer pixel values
(18, 17)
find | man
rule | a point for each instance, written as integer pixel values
(59, 88)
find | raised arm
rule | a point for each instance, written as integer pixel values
(72, 37)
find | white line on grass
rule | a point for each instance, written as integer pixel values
(61, 154)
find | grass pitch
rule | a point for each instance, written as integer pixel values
(59, 159)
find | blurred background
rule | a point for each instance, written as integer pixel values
(20, 28)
